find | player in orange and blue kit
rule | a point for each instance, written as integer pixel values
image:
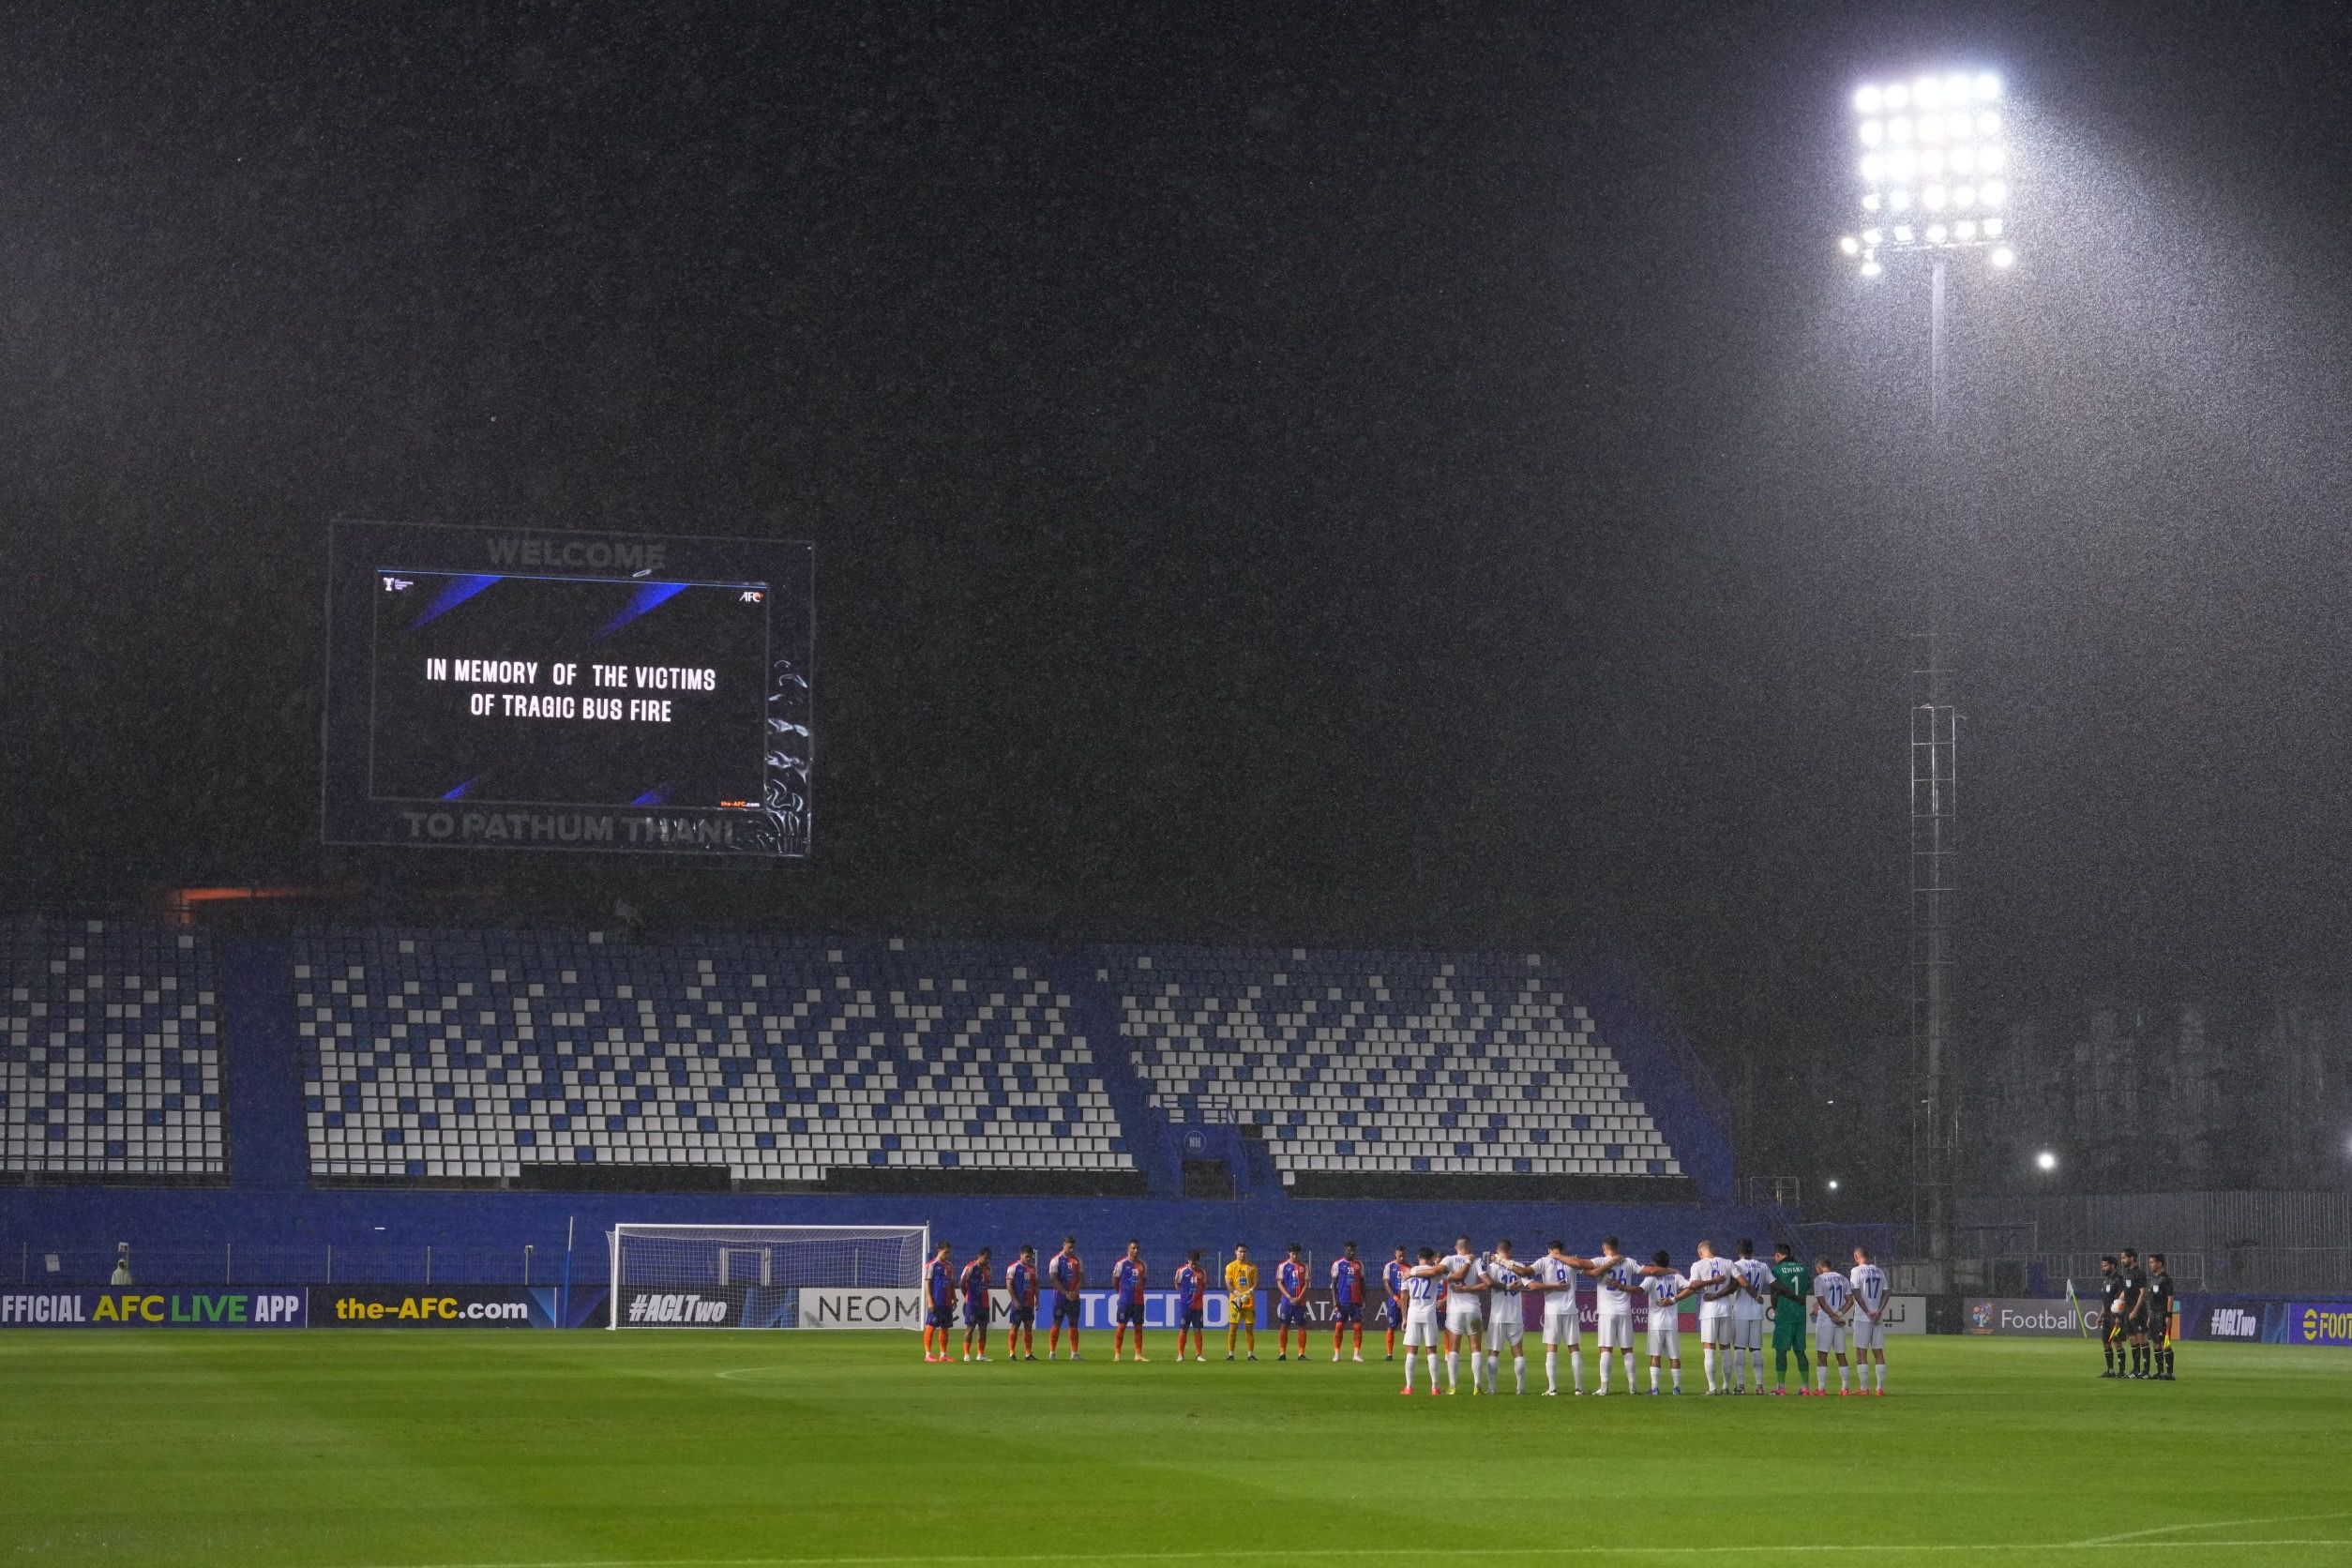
(1127, 1279)
(975, 1284)
(1347, 1298)
(1290, 1302)
(1069, 1277)
(1392, 1281)
(1192, 1306)
(1020, 1307)
(938, 1303)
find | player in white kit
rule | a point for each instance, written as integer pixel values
(1618, 1286)
(1870, 1330)
(1665, 1287)
(1423, 1282)
(1465, 1308)
(1833, 1304)
(1555, 1274)
(1506, 1318)
(1716, 1286)
(1747, 1316)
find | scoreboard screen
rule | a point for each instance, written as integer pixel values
(528, 689)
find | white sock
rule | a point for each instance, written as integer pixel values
(1408, 1371)
(1494, 1370)
(1629, 1371)
(1575, 1366)
(1709, 1356)
(1678, 1376)
(1432, 1356)
(1882, 1377)
(1518, 1374)
(1653, 1377)
(1452, 1361)
(1841, 1377)
(1551, 1367)
(1822, 1373)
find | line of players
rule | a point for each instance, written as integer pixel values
(1736, 1297)
(2136, 1316)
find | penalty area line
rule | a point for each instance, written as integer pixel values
(1880, 1548)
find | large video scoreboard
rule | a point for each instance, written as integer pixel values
(534, 690)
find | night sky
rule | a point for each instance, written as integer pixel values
(1294, 473)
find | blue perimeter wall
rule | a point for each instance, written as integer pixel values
(271, 1210)
(160, 1222)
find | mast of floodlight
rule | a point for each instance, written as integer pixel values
(1933, 169)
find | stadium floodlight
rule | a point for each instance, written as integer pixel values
(1832, 1183)
(1935, 164)
(1918, 133)
(2046, 1160)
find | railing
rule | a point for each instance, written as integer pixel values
(2259, 1271)
(275, 1263)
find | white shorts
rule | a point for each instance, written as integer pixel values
(1507, 1328)
(1463, 1318)
(1420, 1325)
(1829, 1336)
(1715, 1325)
(1748, 1329)
(1617, 1331)
(1870, 1334)
(1666, 1333)
(1561, 1328)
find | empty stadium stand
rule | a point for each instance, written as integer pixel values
(110, 1054)
(492, 1057)
(1393, 1073)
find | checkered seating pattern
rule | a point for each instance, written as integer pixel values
(110, 1051)
(1465, 1065)
(448, 1055)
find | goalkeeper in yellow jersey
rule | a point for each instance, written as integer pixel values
(1240, 1301)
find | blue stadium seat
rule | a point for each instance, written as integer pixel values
(1378, 1062)
(780, 1060)
(110, 1051)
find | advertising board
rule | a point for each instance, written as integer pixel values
(432, 1307)
(2254, 1321)
(264, 1306)
(2013, 1316)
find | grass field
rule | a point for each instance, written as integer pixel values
(365, 1447)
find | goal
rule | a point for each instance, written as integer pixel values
(751, 1277)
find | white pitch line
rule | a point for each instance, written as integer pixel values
(1880, 1548)
(2209, 1523)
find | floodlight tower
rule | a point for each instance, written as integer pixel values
(1933, 169)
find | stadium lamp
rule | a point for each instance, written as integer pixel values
(2046, 1160)
(1832, 1183)
(1933, 142)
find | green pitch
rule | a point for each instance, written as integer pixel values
(395, 1449)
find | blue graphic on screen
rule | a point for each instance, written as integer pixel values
(649, 597)
(533, 690)
(454, 592)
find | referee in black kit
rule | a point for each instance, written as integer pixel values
(2135, 1311)
(2160, 1311)
(2112, 1294)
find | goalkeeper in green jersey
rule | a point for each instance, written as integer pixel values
(1792, 1285)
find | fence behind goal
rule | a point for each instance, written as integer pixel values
(736, 1276)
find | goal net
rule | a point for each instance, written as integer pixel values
(757, 1277)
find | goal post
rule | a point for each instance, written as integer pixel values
(714, 1276)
